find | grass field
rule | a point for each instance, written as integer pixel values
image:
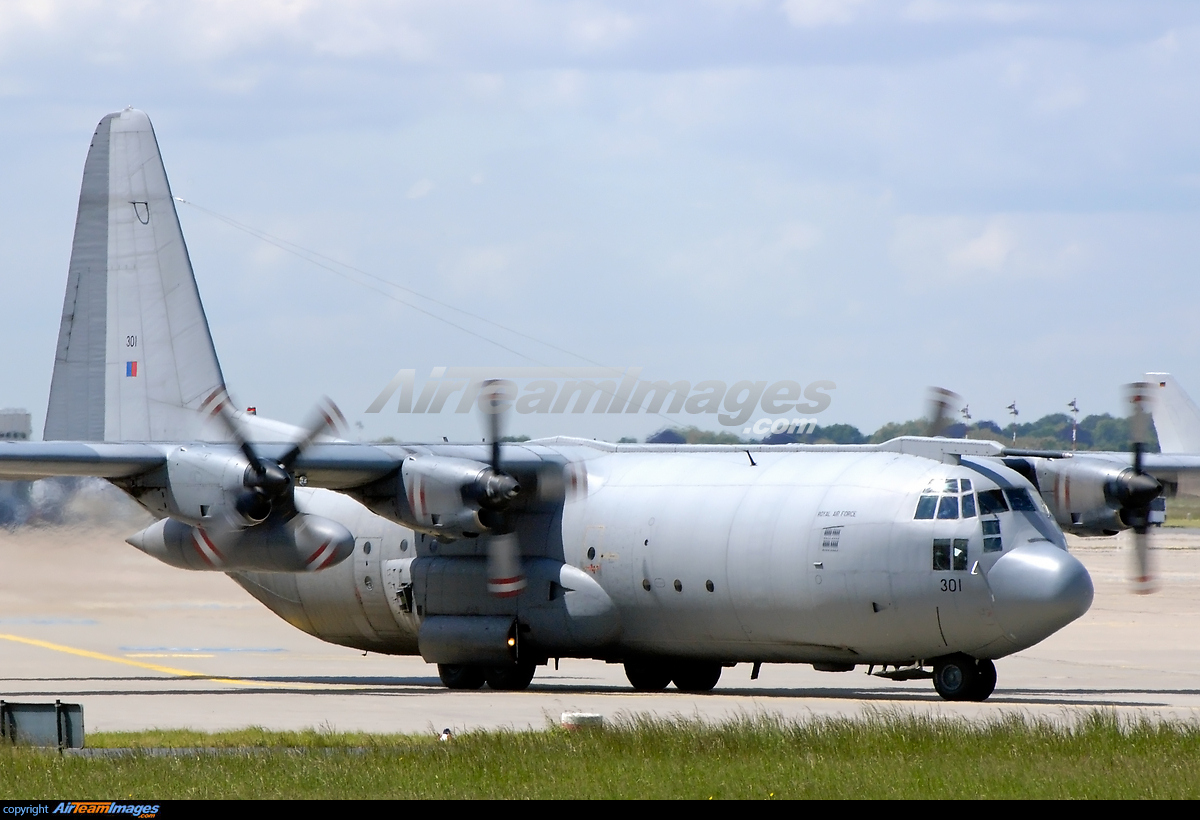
(891, 756)
(1183, 511)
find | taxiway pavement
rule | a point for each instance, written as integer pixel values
(86, 618)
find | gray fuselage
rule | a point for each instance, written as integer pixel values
(780, 556)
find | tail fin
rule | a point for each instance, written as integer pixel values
(1176, 417)
(135, 359)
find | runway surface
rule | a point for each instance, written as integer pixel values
(86, 618)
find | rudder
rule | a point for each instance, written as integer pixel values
(1176, 417)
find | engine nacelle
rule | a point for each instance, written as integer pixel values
(304, 543)
(450, 498)
(1084, 493)
(437, 493)
(201, 485)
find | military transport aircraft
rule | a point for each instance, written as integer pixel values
(919, 557)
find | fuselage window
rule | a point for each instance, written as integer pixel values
(941, 554)
(992, 502)
(949, 554)
(991, 536)
(948, 508)
(926, 507)
(968, 505)
(960, 553)
(1020, 501)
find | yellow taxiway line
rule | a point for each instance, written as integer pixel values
(153, 667)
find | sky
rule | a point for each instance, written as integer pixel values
(1000, 198)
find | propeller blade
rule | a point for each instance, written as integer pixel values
(1143, 580)
(326, 418)
(1141, 488)
(220, 407)
(495, 401)
(941, 401)
(505, 576)
(269, 483)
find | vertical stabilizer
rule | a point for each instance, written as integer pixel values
(135, 359)
(1176, 417)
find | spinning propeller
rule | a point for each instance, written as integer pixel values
(1135, 489)
(495, 492)
(268, 483)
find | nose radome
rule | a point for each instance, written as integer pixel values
(1039, 588)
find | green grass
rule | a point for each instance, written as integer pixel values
(1183, 511)
(881, 755)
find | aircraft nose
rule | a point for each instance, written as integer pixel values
(1039, 588)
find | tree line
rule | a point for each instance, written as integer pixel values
(1052, 432)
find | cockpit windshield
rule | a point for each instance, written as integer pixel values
(948, 507)
(945, 499)
(1018, 498)
(992, 502)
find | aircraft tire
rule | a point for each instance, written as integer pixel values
(985, 680)
(513, 677)
(954, 677)
(460, 675)
(648, 675)
(696, 676)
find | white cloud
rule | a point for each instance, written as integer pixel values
(943, 11)
(799, 236)
(1015, 246)
(989, 251)
(419, 189)
(816, 13)
(599, 29)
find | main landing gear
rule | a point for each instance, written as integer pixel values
(653, 675)
(961, 677)
(512, 677)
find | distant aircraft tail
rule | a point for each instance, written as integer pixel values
(135, 359)
(1176, 416)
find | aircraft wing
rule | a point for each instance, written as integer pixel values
(335, 465)
(31, 460)
(1171, 466)
(338, 465)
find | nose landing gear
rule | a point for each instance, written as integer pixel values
(961, 677)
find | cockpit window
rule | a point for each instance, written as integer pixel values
(948, 508)
(951, 485)
(925, 507)
(992, 502)
(966, 484)
(941, 554)
(968, 504)
(1020, 500)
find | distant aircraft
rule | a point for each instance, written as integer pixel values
(920, 557)
(1093, 493)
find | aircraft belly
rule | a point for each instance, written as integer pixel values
(345, 604)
